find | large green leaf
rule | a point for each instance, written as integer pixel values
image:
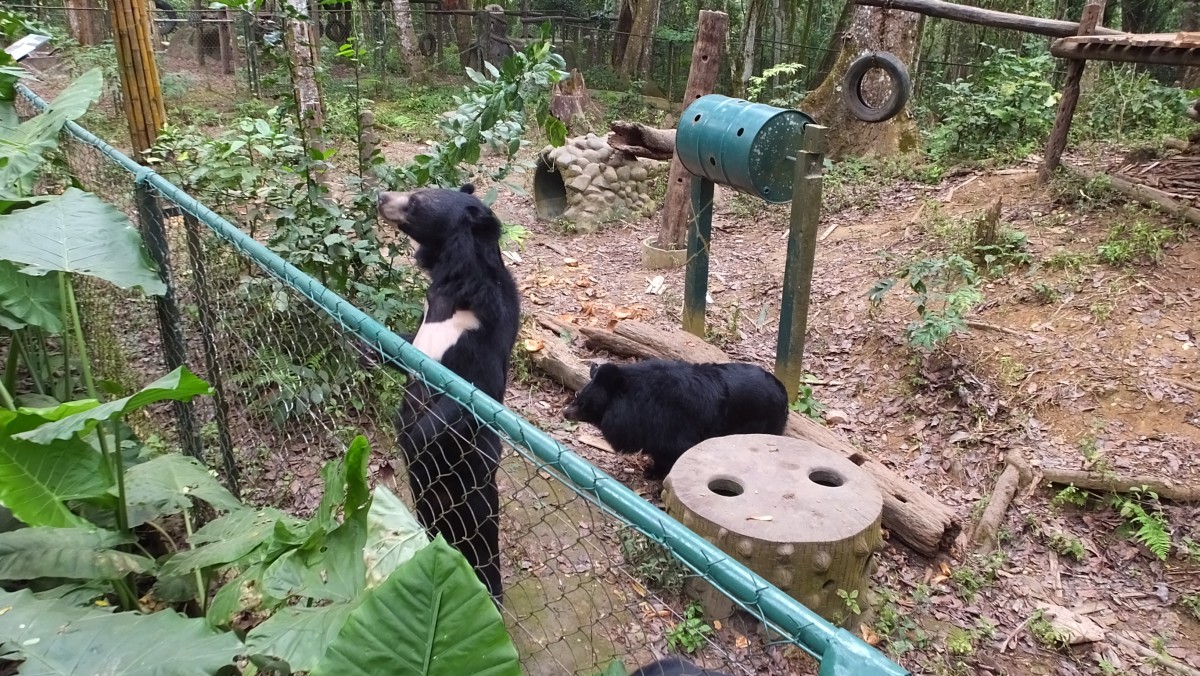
(74, 553)
(224, 541)
(393, 536)
(299, 636)
(167, 484)
(59, 639)
(31, 300)
(36, 480)
(23, 146)
(431, 617)
(332, 569)
(178, 385)
(79, 233)
(241, 593)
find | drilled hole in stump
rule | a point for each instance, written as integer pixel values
(726, 487)
(825, 478)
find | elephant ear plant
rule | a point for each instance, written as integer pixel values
(96, 527)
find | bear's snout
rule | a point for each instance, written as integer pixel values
(571, 412)
(392, 205)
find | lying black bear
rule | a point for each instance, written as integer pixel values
(472, 315)
(675, 666)
(663, 408)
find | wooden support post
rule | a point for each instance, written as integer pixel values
(801, 254)
(706, 67)
(225, 34)
(699, 241)
(1092, 13)
(140, 88)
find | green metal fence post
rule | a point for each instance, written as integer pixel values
(695, 289)
(212, 365)
(801, 251)
(170, 326)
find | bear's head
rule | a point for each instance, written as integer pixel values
(593, 400)
(438, 219)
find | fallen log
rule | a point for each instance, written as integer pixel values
(1017, 473)
(1112, 483)
(550, 354)
(986, 17)
(1142, 193)
(639, 140)
(912, 516)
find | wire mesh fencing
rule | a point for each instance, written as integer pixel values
(589, 572)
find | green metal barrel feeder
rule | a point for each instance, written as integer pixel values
(748, 146)
(777, 155)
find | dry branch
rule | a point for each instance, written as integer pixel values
(1113, 483)
(1017, 473)
(1142, 193)
(1165, 660)
(639, 140)
(912, 516)
(986, 17)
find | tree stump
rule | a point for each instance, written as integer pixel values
(801, 516)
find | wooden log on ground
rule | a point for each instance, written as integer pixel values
(1016, 474)
(986, 17)
(1142, 193)
(554, 357)
(1093, 11)
(1113, 483)
(705, 69)
(639, 140)
(911, 515)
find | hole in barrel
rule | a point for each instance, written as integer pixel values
(696, 119)
(726, 487)
(825, 477)
(741, 131)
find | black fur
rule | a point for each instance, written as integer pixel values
(674, 666)
(663, 408)
(451, 457)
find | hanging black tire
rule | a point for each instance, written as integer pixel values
(337, 30)
(852, 86)
(427, 44)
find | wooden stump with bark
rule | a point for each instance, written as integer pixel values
(570, 102)
(911, 515)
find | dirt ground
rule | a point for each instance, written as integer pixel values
(1073, 362)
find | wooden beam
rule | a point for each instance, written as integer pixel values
(1093, 11)
(1074, 48)
(986, 17)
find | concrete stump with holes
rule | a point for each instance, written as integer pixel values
(803, 517)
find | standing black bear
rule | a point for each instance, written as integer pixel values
(663, 408)
(472, 315)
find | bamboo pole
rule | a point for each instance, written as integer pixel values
(140, 88)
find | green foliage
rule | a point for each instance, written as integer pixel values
(651, 562)
(35, 630)
(1144, 517)
(1008, 251)
(805, 402)
(690, 633)
(850, 600)
(1134, 243)
(945, 289)
(1047, 634)
(981, 572)
(1070, 496)
(1126, 104)
(1192, 603)
(1002, 112)
(1067, 545)
(960, 641)
(784, 92)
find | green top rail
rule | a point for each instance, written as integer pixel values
(840, 652)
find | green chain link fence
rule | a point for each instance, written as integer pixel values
(591, 572)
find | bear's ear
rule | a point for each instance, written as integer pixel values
(609, 376)
(592, 371)
(469, 188)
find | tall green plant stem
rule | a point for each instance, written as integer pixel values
(6, 398)
(201, 596)
(10, 372)
(66, 390)
(114, 459)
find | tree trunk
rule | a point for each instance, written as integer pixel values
(634, 61)
(84, 22)
(753, 17)
(1190, 77)
(462, 28)
(410, 56)
(300, 36)
(870, 29)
